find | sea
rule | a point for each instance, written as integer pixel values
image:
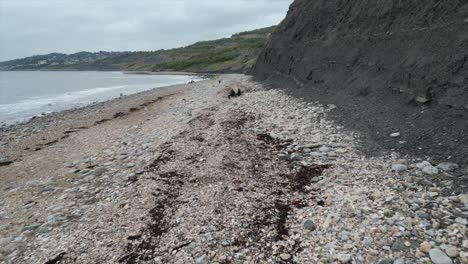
(25, 94)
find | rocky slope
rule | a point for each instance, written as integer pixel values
(389, 67)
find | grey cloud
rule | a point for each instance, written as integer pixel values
(30, 27)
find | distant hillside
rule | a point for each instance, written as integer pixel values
(56, 60)
(235, 54)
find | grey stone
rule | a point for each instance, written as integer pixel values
(430, 170)
(343, 258)
(30, 227)
(422, 99)
(461, 221)
(202, 260)
(4, 241)
(324, 149)
(130, 165)
(295, 156)
(395, 135)
(344, 236)
(439, 257)
(52, 220)
(341, 151)
(423, 215)
(4, 160)
(447, 166)
(423, 164)
(315, 154)
(313, 145)
(399, 261)
(386, 261)
(398, 246)
(452, 252)
(399, 167)
(309, 225)
(367, 243)
(463, 198)
(84, 172)
(316, 179)
(99, 171)
(285, 256)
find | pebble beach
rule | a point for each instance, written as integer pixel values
(185, 175)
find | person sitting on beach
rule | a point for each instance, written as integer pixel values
(232, 93)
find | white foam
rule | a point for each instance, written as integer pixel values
(40, 102)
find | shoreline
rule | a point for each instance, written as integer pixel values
(14, 137)
(8, 125)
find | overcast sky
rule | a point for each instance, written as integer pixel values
(30, 27)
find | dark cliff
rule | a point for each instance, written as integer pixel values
(389, 66)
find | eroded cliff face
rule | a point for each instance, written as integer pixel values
(389, 65)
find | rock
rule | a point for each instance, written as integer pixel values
(309, 225)
(315, 154)
(439, 257)
(52, 220)
(398, 246)
(324, 149)
(99, 171)
(452, 252)
(344, 236)
(430, 170)
(4, 241)
(316, 179)
(395, 135)
(367, 243)
(4, 161)
(386, 261)
(341, 151)
(30, 227)
(425, 247)
(463, 257)
(399, 261)
(399, 167)
(422, 99)
(461, 221)
(202, 260)
(295, 156)
(343, 258)
(313, 145)
(423, 164)
(375, 195)
(130, 165)
(84, 172)
(389, 213)
(331, 219)
(464, 199)
(285, 256)
(447, 166)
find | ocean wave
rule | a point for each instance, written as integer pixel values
(70, 97)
